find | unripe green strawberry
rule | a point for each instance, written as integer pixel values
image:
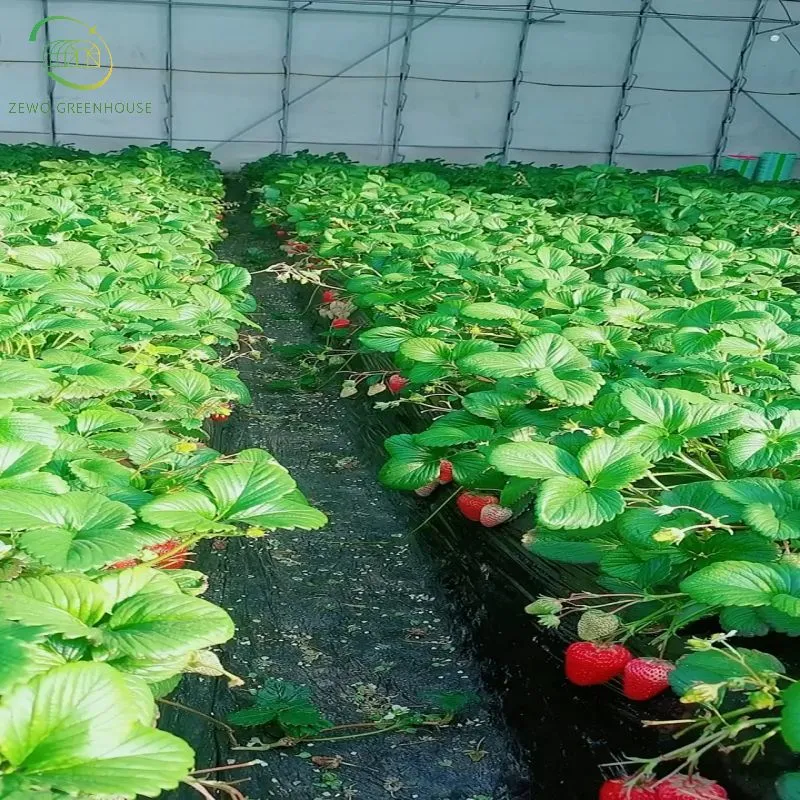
(544, 605)
(595, 625)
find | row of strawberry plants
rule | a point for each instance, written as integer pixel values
(632, 397)
(685, 202)
(116, 325)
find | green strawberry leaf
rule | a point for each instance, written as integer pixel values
(556, 367)
(717, 666)
(75, 531)
(18, 653)
(157, 626)
(491, 405)
(18, 379)
(769, 506)
(745, 621)
(788, 786)
(67, 604)
(384, 339)
(571, 503)
(410, 465)
(610, 463)
(457, 427)
(426, 351)
(742, 583)
(790, 717)
(45, 726)
(183, 511)
(534, 460)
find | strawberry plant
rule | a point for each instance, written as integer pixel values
(115, 321)
(287, 713)
(612, 358)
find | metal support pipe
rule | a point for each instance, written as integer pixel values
(286, 63)
(363, 8)
(339, 74)
(710, 61)
(516, 82)
(168, 67)
(628, 81)
(50, 82)
(397, 133)
(738, 81)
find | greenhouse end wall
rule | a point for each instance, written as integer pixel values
(642, 83)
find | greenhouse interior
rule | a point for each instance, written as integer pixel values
(400, 400)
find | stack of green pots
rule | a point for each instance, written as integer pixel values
(744, 165)
(775, 166)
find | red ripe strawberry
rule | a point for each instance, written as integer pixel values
(328, 296)
(494, 515)
(396, 383)
(340, 322)
(445, 471)
(622, 789)
(644, 678)
(589, 663)
(426, 490)
(471, 505)
(690, 787)
(176, 560)
(220, 216)
(124, 564)
(222, 413)
(281, 233)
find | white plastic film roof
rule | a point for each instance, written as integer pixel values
(640, 83)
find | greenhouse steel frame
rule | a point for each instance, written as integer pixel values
(641, 83)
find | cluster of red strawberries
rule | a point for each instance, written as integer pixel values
(593, 663)
(483, 508)
(330, 296)
(294, 247)
(221, 413)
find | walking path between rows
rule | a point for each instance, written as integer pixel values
(352, 611)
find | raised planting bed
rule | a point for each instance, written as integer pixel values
(114, 314)
(629, 399)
